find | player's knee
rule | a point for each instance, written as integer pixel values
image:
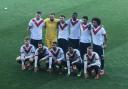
(31, 59)
(18, 60)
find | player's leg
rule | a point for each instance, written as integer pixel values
(79, 67)
(76, 43)
(97, 71)
(69, 67)
(89, 72)
(99, 50)
(34, 43)
(71, 43)
(82, 50)
(31, 61)
(18, 60)
(48, 41)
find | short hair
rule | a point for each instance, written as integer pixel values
(97, 20)
(54, 42)
(41, 43)
(85, 17)
(62, 16)
(52, 14)
(27, 38)
(75, 13)
(39, 12)
(90, 47)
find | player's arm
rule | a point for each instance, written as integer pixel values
(97, 62)
(46, 55)
(105, 40)
(78, 58)
(62, 55)
(30, 26)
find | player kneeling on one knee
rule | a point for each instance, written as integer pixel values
(42, 56)
(57, 57)
(73, 61)
(91, 63)
(27, 54)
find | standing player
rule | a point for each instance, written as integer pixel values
(35, 29)
(91, 63)
(73, 60)
(27, 54)
(85, 39)
(63, 34)
(99, 40)
(57, 57)
(51, 30)
(74, 36)
(42, 54)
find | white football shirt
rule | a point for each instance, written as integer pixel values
(37, 27)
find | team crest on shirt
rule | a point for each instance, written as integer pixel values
(96, 30)
(37, 23)
(62, 26)
(74, 22)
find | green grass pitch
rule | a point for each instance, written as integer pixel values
(13, 24)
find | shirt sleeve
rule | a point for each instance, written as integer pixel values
(62, 55)
(103, 31)
(97, 56)
(30, 23)
(78, 53)
(21, 50)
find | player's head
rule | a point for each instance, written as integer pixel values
(89, 50)
(62, 18)
(27, 41)
(52, 16)
(40, 45)
(74, 15)
(85, 18)
(70, 49)
(38, 15)
(54, 45)
(96, 21)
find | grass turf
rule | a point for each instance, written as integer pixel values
(13, 24)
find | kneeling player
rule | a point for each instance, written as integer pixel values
(27, 54)
(42, 54)
(73, 60)
(91, 63)
(57, 56)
